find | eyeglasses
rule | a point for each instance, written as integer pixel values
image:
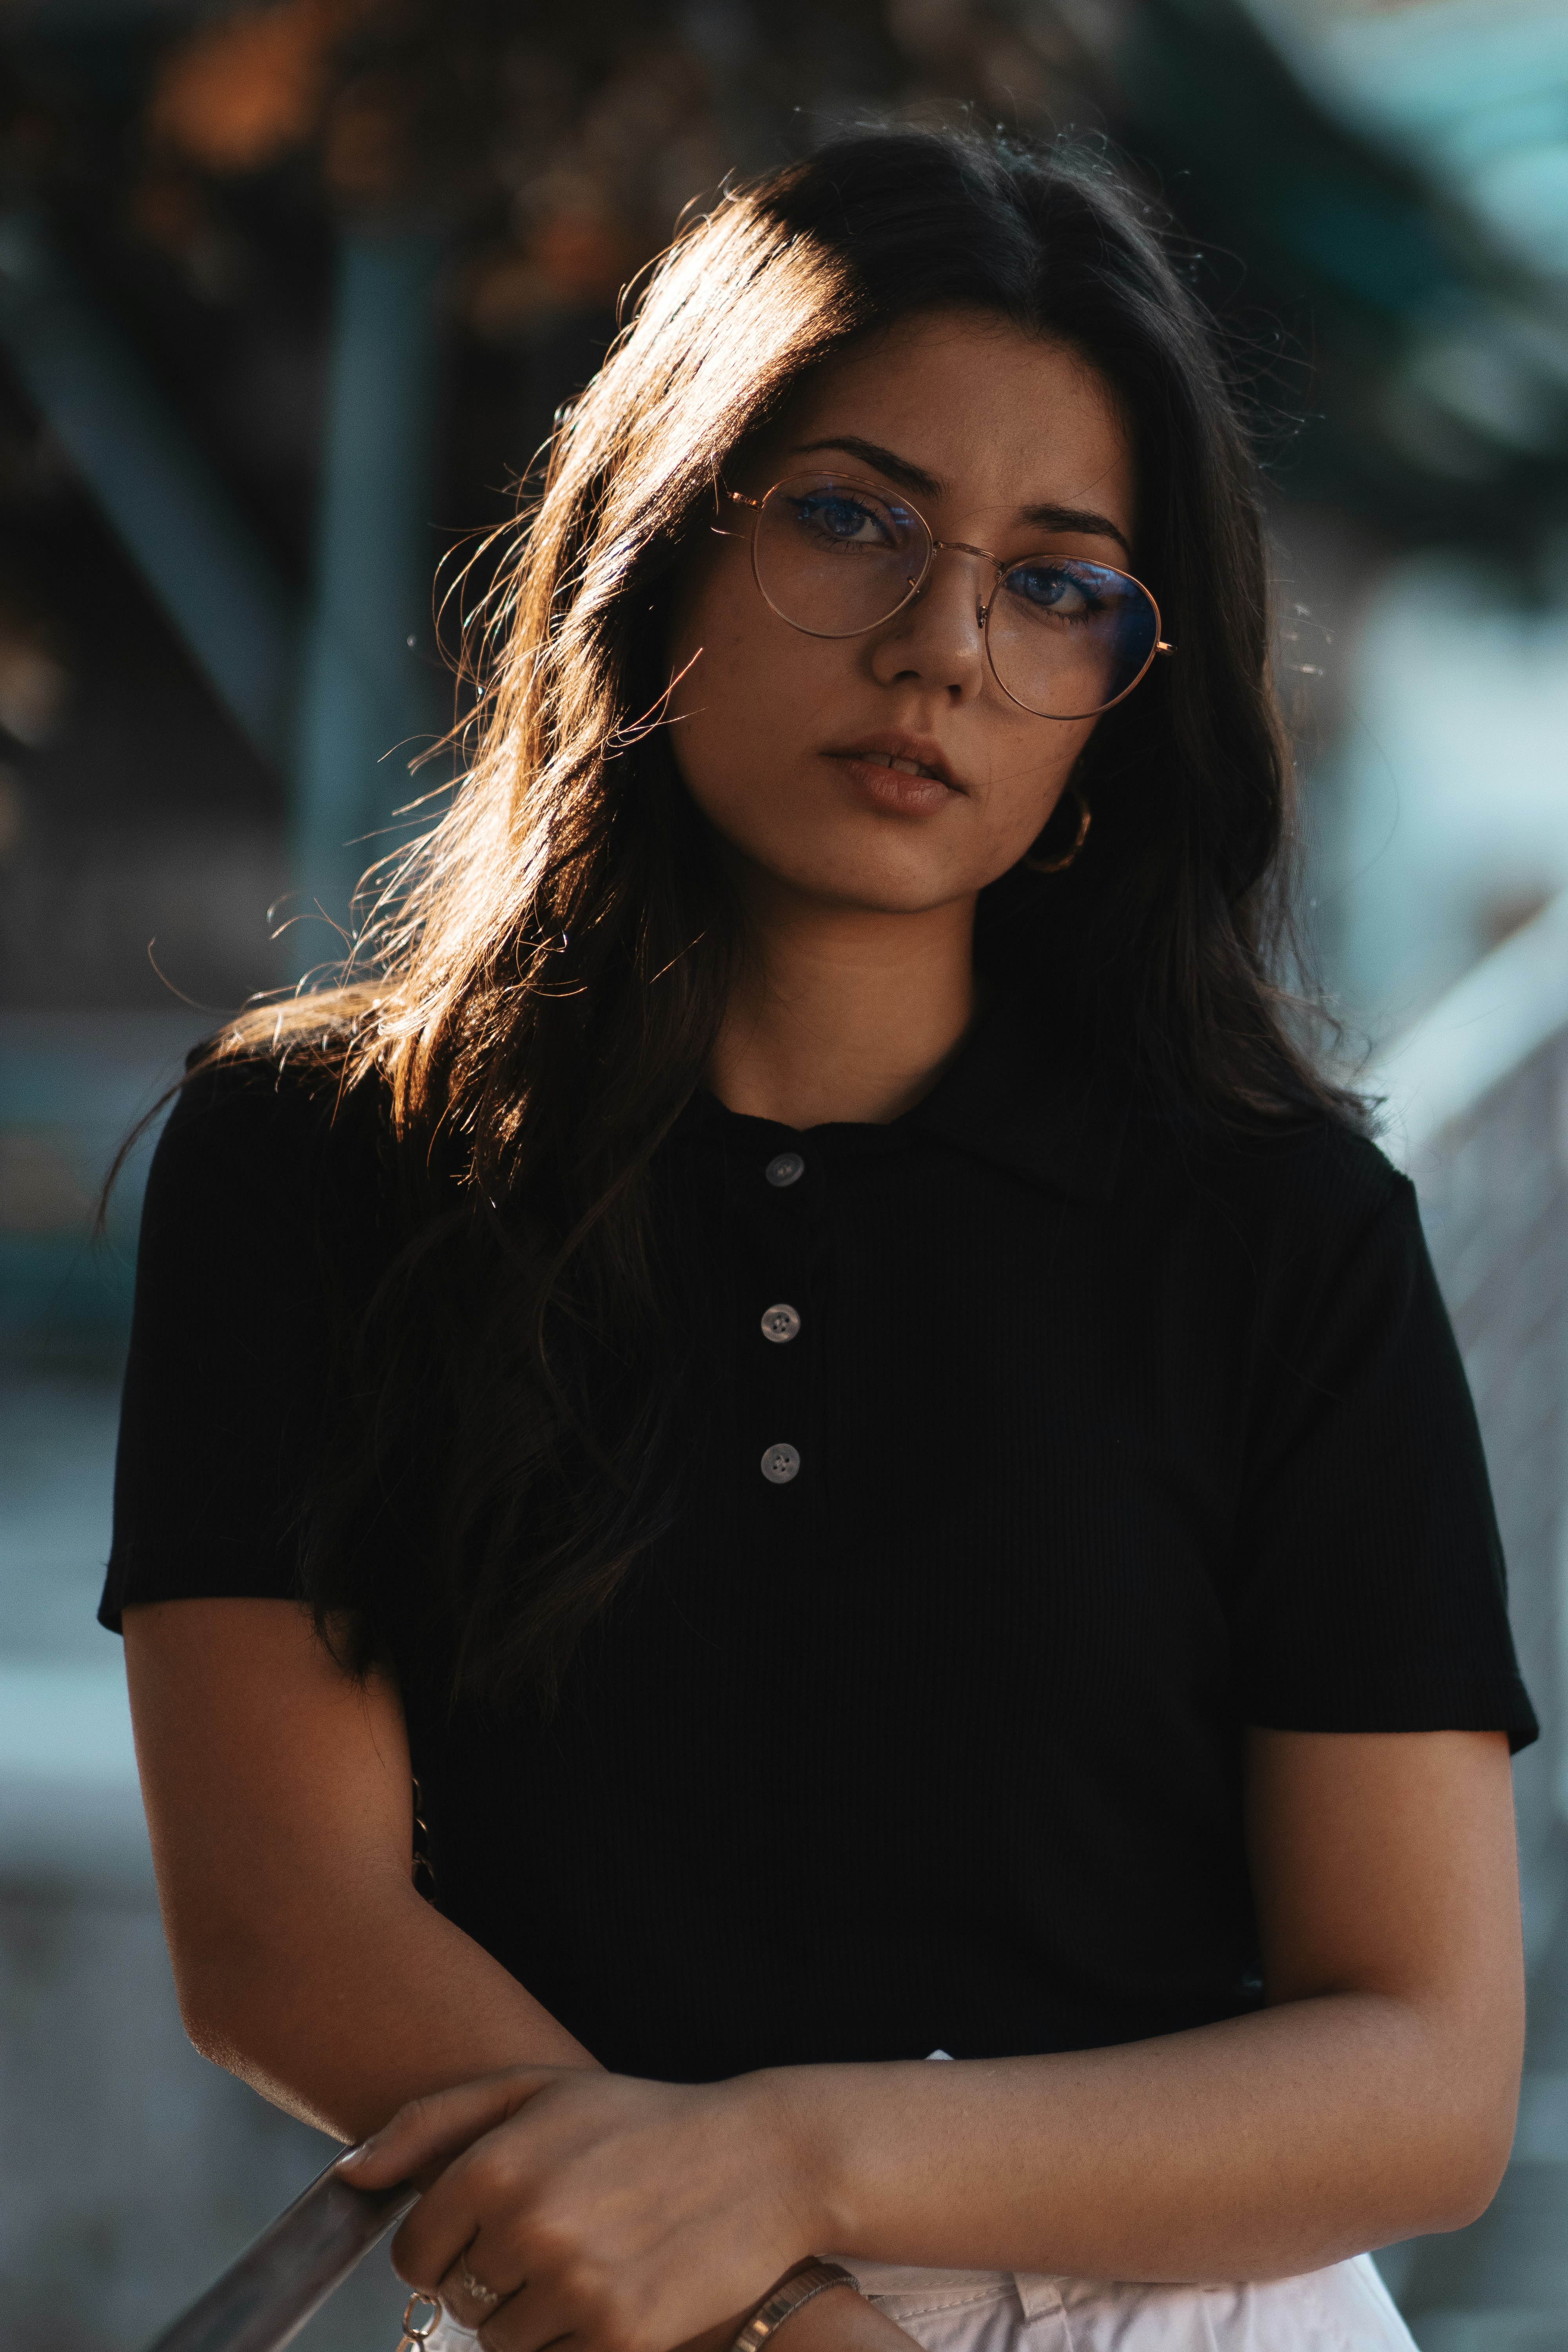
(1065, 639)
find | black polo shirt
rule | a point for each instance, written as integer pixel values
(1033, 1449)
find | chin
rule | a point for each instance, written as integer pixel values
(872, 890)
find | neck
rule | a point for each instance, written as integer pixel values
(843, 1013)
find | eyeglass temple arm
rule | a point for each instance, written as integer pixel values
(740, 500)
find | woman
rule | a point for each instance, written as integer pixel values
(810, 1362)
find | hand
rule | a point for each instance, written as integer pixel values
(631, 2216)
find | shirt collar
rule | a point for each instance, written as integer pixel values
(1021, 1098)
(1034, 1104)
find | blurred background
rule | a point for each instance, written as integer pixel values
(288, 295)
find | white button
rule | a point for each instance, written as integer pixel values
(780, 1464)
(787, 1168)
(780, 1323)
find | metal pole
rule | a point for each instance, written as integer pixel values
(367, 704)
(263, 2300)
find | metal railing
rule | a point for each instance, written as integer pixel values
(261, 2302)
(1477, 1096)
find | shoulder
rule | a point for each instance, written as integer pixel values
(1316, 1176)
(1288, 1224)
(1323, 1176)
(267, 1140)
(286, 1107)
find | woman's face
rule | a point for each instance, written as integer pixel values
(1000, 439)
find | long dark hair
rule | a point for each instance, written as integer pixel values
(542, 977)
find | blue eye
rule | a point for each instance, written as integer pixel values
(1053, 588)
(839, 517)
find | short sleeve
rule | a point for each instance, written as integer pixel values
(228, 1367)
(1370, 1591)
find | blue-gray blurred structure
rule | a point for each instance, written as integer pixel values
(1406, 172)
(339, 700)
(367, 706)
(177, 521)
(1476, 1097)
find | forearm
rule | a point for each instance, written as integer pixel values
(386, 2002)
(1257, 2147)
(280, 1803)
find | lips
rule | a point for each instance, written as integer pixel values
(900, 767)
(900, 754)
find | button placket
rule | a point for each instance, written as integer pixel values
(782, 1368)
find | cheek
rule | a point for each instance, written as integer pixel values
(1029, 770)
(746, 705)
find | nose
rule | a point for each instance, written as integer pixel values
(938, 639)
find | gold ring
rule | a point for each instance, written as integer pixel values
(477, 2287)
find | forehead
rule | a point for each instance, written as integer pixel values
(1002, 419)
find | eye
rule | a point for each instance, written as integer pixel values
(1064, 591)
(835, 515)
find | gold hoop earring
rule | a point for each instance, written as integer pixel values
(1060, 864)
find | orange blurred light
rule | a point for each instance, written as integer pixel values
(239, 93)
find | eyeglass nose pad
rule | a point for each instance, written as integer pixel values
(980, 611)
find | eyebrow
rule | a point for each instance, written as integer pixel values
(915, 478)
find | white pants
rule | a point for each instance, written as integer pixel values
(1345, 2308)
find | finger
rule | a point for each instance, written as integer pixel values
(475, 2206)
(531, 2320)
(433, 2130)
(468, 2298)
(486, 2290)
(596, 2313)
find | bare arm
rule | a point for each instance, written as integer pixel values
(1371, 2099)
(278, 1795)
(279, 1802)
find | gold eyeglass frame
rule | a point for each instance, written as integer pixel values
(983, 612)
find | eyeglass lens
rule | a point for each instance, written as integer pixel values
(1066, 638)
